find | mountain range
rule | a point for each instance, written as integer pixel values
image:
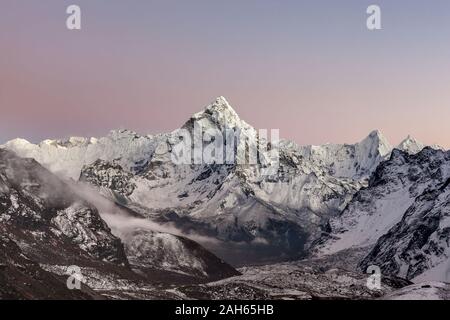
(139, 224)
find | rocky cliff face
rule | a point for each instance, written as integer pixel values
(47, 226)
(419, 245)
(37, 205)
(43, 223)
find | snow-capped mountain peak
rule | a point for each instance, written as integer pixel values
(376, 141)
(354, 161)
(69, 142)
(222, 105)
(19, 142)
(218, 114)
(411, 145)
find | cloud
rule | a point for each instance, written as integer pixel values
(123, 223)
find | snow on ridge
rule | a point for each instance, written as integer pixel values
(401, 218)
(67, 156)
(411, 145)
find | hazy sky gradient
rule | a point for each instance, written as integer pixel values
(310, 68)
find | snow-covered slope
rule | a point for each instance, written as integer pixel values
(392, 190)
(67, 157)
(418, 247)
(411, 145)
(401, 218)
(353, 161)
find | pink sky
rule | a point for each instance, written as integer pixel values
(317, 76)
